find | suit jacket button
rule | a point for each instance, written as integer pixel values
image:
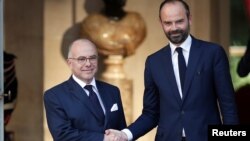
(182, 112)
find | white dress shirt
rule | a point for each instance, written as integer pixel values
(186, 45)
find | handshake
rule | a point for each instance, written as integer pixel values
(115, 135)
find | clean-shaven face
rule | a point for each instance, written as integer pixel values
(83, 60)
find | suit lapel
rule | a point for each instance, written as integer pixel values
(80, 94)
(194, 57)
(167, 58)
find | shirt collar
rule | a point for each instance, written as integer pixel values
(186, 45)
(83, 84)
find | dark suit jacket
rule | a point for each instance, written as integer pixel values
(243, 67)
(207, 80)
(70, 116)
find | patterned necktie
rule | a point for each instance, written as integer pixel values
(94, 99)
(182, 66)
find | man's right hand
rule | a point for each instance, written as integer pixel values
(115, 135)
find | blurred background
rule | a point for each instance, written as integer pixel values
(38, 32)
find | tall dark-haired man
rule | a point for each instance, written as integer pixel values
(187, 84)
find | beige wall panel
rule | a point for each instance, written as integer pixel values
(23, 38)
(200, 11)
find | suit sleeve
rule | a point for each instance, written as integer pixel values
(224, 88)
(150, 113)
(243, 67)
(60, 125)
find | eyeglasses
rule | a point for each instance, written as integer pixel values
(83, 60)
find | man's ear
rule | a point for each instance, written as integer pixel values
(190, 19)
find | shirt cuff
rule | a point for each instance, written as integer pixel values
(128, 133)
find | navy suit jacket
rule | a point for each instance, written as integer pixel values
(70, 116)
(207, 81)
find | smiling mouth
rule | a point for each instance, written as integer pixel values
(176, 35)
(90, 70)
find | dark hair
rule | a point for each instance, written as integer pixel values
(172, 1)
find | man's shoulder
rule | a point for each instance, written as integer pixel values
(161, 51)
(205, 42)
(105, 84)
(58, 87)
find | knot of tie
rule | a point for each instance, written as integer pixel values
(89, 88)
(179, 50)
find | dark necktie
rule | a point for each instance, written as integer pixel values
(182, 66)
(94, 99)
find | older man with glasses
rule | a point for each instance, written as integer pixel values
(82, 108)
